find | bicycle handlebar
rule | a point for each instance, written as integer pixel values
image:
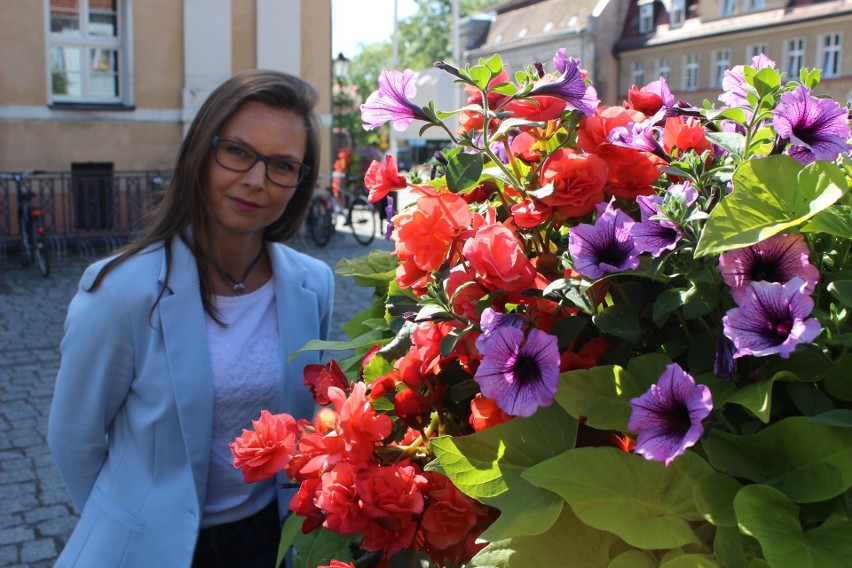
(18, 176)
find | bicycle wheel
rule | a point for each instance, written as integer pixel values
(320, 222)
(40, 250)
(363, 219)
(26, 242)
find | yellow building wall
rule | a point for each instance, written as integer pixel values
(316, 67)
(243, 36)
(158, 53)
(23, 79)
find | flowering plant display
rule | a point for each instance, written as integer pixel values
(606, 336)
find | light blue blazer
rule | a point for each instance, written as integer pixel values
(131, 419)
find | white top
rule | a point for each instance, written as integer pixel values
(246, 364)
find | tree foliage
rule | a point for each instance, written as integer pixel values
(423, 38)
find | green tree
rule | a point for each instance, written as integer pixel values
(424, 37)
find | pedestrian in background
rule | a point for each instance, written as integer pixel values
(173, 345)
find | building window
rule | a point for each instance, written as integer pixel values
(754, 50)
(753, 5)
(678, 13)
(86, 51)
(721, 63)
(829, 55)
(646, 18)
(727, 7)
(639, 73)
(690, 72)
(664, 68)
(795, 57)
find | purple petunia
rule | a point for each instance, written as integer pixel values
(776, 259)
(734, 82)
(605, 247)
(818, 129)
(636, 135)
(668, 417)
(654, 235)
(491, 320)
(771, 319)
(392, 102)
(568, 85)
(520, 373)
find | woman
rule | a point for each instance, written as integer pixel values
(175, 344)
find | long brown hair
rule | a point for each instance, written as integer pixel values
(184, 204)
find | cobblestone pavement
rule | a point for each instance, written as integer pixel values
(36, 515)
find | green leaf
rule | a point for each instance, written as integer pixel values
(667, 302)
(838, 381)
(807, 462)
(481, 76)
(840, 417)
(645, 503)
(320, 547)
(568, 539)
(488, 465)
(621, 321)
(700, 300)
(367, 340)
(714, 498)
(377, 267)
(770, 195)
(734, 549)
(766, 81)
(769, 516)
(733, 142)
(836, 221)
(601, 395)
(291, 529)
(511, 123)
(494, 64)
(842, 290)
(463, 171)
(691, 561)
(634, 559)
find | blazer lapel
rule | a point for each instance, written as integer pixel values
(185, 339)
(298, 319)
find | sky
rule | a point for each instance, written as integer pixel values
(364, 21)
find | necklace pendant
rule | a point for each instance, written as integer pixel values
(239, 288)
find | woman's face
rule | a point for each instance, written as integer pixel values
(244, 203)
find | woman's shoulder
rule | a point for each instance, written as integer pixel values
(299, 258)
(301, 266)
(133, 271)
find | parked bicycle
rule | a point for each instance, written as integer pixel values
(358, 214)
(31, 224)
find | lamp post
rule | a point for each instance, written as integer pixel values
(340, 70)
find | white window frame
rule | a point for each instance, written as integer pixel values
(678, 13)
(664, 68)
(829, 54)
(721, 63)
(755, 49)
(638, 73)
(727, 7)
(794, 56)
(691, 66)
(89, 45)
(646, 17)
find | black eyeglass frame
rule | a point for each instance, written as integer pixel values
(258, 157)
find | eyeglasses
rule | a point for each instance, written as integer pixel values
(238, 157)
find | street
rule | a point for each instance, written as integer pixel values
(36, 515)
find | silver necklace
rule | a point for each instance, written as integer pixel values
(240, 288)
